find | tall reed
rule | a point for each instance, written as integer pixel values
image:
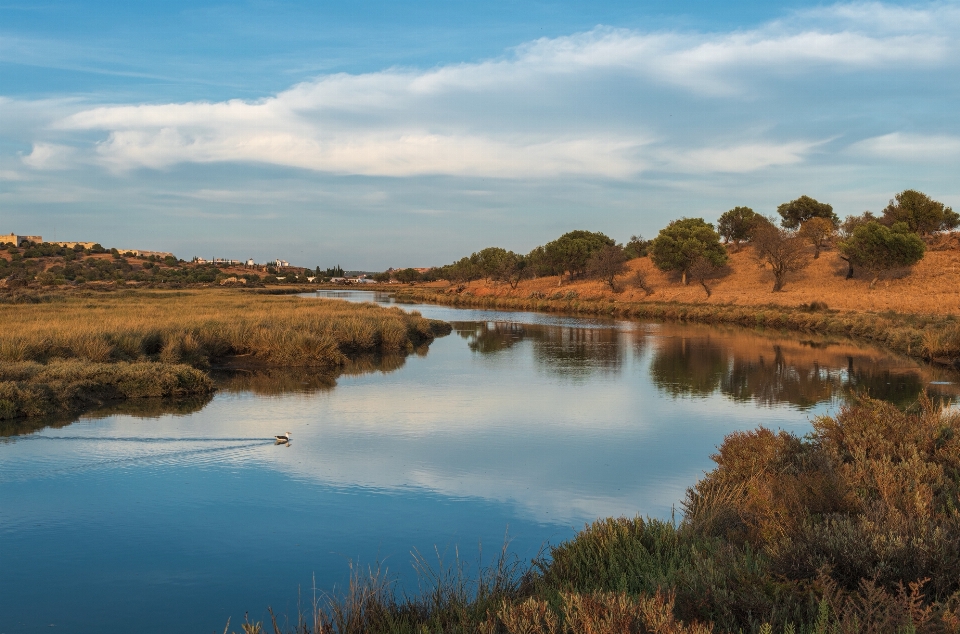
(200, 327)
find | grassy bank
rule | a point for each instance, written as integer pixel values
(854, 528)
(930, 337)
(61, 351)
(29, 389)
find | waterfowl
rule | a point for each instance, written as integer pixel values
(283, 437)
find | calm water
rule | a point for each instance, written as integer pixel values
(159, 517)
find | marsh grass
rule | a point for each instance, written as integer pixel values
(201, 327)
(73, 351)
(31, 389)
(852, 529)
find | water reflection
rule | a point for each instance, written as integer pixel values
(699, 361)
(535, 422)
(768, 369)
(562, 350)
(136, 408)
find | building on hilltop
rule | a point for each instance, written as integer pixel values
(15, 240)
(146, 254)
(70, 245)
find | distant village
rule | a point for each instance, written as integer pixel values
(276, 267)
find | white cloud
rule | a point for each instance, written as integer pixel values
(50, 156)
(553, 107)
(11, 175)
(898, 146)
(739, 158)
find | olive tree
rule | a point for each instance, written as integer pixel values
(879, 248)
(921, 213)
(637, 247)
(571, 251)
(682, 242)
(796, 212)
(735, 225)
(817, 231)
(607, 264)
(782, 250)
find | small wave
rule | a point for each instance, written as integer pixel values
(140, 439)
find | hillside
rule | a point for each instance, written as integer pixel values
(931, 287)
(50, 265)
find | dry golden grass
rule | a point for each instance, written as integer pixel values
(31, 389)
(197, 327)
(932, 287)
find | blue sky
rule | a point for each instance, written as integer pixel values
(377, 134)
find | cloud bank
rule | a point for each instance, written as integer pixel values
(591, 104)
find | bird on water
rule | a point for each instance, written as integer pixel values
(283, 437)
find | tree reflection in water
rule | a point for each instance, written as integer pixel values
(561, 350)
(771, 369)
(698, 361)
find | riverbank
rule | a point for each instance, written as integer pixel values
(852, 528)
(65, 351)
(934, 338)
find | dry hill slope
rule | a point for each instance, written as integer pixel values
(932, 287)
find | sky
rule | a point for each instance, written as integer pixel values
(376, 134)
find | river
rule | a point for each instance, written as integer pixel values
(158, 517)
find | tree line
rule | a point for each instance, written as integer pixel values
(697, 251)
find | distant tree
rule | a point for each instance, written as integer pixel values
(490, 262)
(879, 248)
(463, 270)
(920, 213)
(571, 251)
(784, 251)
(515, 269)
(335, 271)
(818, 232)
(846, 229)
(408, 276)
(637, 247)
(607, 264)
(796, 212)
(735, 225)
(680, 243)
(639, 279)
(538, 264)
(381, 277)
(701, 270)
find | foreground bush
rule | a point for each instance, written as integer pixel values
(854, 528)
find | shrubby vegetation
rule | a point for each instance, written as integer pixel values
(853, 528)
(879, 248)
(688, 244)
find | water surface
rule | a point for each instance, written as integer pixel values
(158, 517)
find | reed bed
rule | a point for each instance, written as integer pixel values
(29, 389)
(113, 341)
(852, 529)
(201, 327)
